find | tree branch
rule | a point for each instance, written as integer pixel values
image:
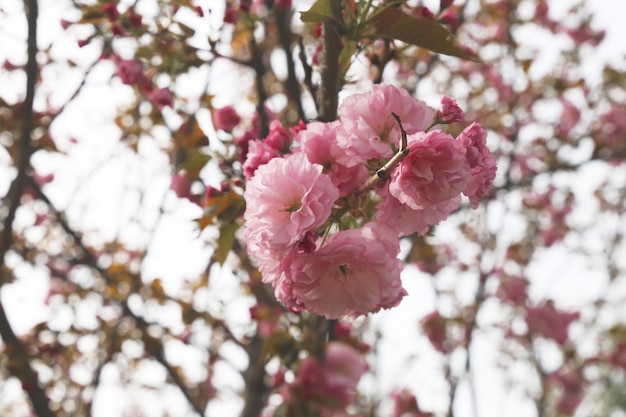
(153, 346)
(283, 18)
(328, 91)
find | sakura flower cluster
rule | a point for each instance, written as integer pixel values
(325, 212)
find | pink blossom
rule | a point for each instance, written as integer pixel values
(259, 153)
(230, 16)
(161, 97)
(449, 111)
(482, 163)
(329, 384)
(278, 137)
(319, 143)
(434, 326)
(570, 116)
(425, 13)
(449, 17)
(283, 4)
(406, 220)
(435, 170)
(546, 321)
(355, 272)
(134, 18)
(130, 71)
(110, 11)
(513, 290)
(242, 143)
(611, 128)
(285, 199)
(226, 118)
(571, 385)
(372, 132)
(181, 185)
(405, 405)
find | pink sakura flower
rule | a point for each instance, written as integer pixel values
(449, 111)
(181, 185)
(434, 171)
(161, 98)
(611, 128)
(242, 143)
(571, 385)
(319, 143)
(513, 290)
(110, 11)
(286, 198)
(406, 220)
(329, 384)
(434, 326)
(481, 162)
(130, 71)
(230, 16)
(226, 118)
(372, 132)
(278, 137)
(546, 321)
(355, 272)
(570, 116)
(259, 153)
(282, 4)
(405, 405)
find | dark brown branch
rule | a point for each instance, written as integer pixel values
(283, 19)
(254, 377)
(19, 366)
(328, 91)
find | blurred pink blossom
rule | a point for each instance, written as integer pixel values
(449, 111)
(546, 321)
(226, 118)
(130, 71)
(329, 384)
(481, 162)
(161, 98)
(259, 153)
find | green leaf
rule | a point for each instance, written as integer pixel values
(392, 23)
(321, 11)
(225, 241)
